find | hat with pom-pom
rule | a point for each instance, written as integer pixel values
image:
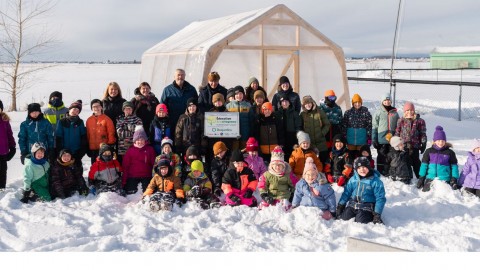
(277, 154)
(439, 134)
(252, 145)
(139, 133)
(309, 166)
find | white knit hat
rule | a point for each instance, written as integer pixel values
(302, 136)
(395, 141)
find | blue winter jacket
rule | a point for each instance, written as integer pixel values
(32, 131)
(439, 163)
(71, 135)
(365, 190)
(176, 100)
(304, 196)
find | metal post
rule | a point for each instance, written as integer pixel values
(460, 104)
(394, 92)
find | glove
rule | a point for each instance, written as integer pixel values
(10, 154)
(248, 194)
(179, 201)
(83, 190)
(376, 145)
(218, 192)
(195, 191)
(235, 199)
(453, 183)
(22, 159)
(334, 215)
(377, 219)
(421, 182)
(341, 181)
(93, 190)
(26, 196)
(267, 198)
(330, 178)
(340, 209)
(422, 147)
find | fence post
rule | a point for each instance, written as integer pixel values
(460, 104)
(394, 92)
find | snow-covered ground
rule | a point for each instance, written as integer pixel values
(440, 220)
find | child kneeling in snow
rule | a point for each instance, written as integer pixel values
(470, 176)
(198, 187)
(67, 177)
(239, 182)
(278, 183)
(364, 195)
(35, 175)
(165, 186)
(314, 190)
(397, 162)
(105, 173)
(438, 162)
(338, 168)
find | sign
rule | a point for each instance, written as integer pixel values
(222, 124)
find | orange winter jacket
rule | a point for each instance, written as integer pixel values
(100, 129)
(165, 184)
(297, 161)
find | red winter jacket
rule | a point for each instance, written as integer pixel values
(138, 163)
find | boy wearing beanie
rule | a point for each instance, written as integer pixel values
(357, 126)
(105, 174)
(439, 162)
(239, 182)
(167, 151)
(160, 128)
(397, 162)
(56, 110)
(198, 187)
(301, 153)
(267, 128)
(126, 124)
(334, 114)
(338, 168)
(36, 175)
(218, 166)
(66, 177)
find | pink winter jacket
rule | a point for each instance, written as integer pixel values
(257, 165)
(138, 162)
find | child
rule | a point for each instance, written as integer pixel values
(357, 126)
(66, 177)
(189, 129)
(35, 129)
(254, 161)
(106, 173)
(267, 130)
(338, 168)
(366, 152)
(165, 183)
(397, 163)
(364, 195)
(191, 154)
(160, 128)
(7, 145)
(35, 175)
(301, 153)
(438, 162)
(71, 133)
(100, 129)
(167, 150)
(126, 124)
(334, 114)
(218, 166)
(241, 106)
(315, 124)
(138, 163)
(198, 187)
(239, 182)
(292, 123)
(470, 177)
(278, 183)
(56, 110)
(313, 190)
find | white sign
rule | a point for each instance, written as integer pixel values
(222, 124)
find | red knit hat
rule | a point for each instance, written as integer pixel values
(252, 145)
(161, 107)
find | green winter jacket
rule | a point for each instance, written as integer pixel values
(279, 187)
(384, 122)
(316, 124)
(35, 177)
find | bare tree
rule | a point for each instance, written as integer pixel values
(23, 35)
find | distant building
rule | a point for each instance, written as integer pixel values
(455, 57)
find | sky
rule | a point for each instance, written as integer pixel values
(100, 30)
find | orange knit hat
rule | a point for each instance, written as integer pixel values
(357, 98)
(329, 92)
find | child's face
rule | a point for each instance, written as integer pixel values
(34, 115)
(338, 145)
(97, 108)
(163, 170)
(365, 153)
(167, 149)
(66, 157)
(74, 112)
(161, 114)
(357, 105)
(285, 103)
(196, 173)
(239, 165)
(401, 146)
(40, 154)
(362, 171)
(387, 102)
(139, 143)
(476, 150)
(267, 112)
(408, 113)
(252, 153)
(128, 111)
(308, 106)
(259, 101)
(239, 96)
(218, 103)
(310, 176)
(305, 145)
(440, 143)
(221, 154)
(279, 167)
(192, 108)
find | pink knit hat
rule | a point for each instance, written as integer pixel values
(408, 106)
(309, 166)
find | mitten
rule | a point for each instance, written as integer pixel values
(340, 209)
(376, 145)
(12, 152)
(218, 192)
(422, 147)
(377, 219)
(195, 191)
(267, 198)
(234, 199)
(421, 182)
(334, 215)
(341, 181)
(248, 194)
(179, 201)
(330, 178)
(26, 196)
(453, 183)
(22, 159)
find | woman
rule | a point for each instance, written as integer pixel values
(144, 104)
(113, 101)
(206, 93)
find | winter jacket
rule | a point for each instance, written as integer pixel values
(397, 164)
(298, 158)
(138, 163)
(159, 129)
(242, 107)
(175, 162)
(470, 176)
(165, 184)
(100, 129)
(256, 164)
(35, 177)
(105, 176)
(55, 114)
(339, 163)
(278, 187)
(203, 182)
(384, 122)
(238, 180)
(112, 107)
(367, 192)
(205, 97)
(35, 130)
(357, 126)
(189, 131)
(317, 125)
(71, 134)
(176, 99)
(412, 131)
(291, 95)
(144, 107)
(125, 130)
(305, 196)
(335, 116)
(439, 163)
(6, 135)
(218, 167)
(292, 122)
(66, 178)
(267, 131)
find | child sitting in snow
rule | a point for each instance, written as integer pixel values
(313, 190)
(338, 168)
(254, 161)
(175, 161)
(438, 162)
(105, 173)
(470, 176)
(366, 152)
(397, 162)
(66, 176)
(191, 155)
(218, 166)
(198, 187)
(239, 182)
(278, 183)
(165, 186)
(364, 195)
(36, 175)
(300, 154)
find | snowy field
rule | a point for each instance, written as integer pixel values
(441, 220)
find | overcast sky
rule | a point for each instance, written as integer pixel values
(101, 30)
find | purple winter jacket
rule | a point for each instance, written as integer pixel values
(6, 135)
(470, 175)
(257, 165)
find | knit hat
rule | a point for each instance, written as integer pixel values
(230, 93)
(439, 134)
(357, 98)
(55, 94)
(277, 154)
(127, 104)
(309, 166)
(365, 147)
(251, 80)
(361, 162)
(283, 96)
(192, 150)
(257, 94)
(329, 93)
(161, 107)
(395, 141)
(302, 136)
(252, 145)
(192, 101)
(197, 165)
(237, 156)
(408, 106)
(267, 106)
(283, 80)
(163, 161)
(338, 138)
(103, 148)
(1, 105)
(96, 100)
(166, 140)
(386, 96)
(476, 144)
(219, 147)
(33, 107)
(77, 104)
(37, 146)
(139, 133)
(218, 97)
(237, 89)
(308, 99)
